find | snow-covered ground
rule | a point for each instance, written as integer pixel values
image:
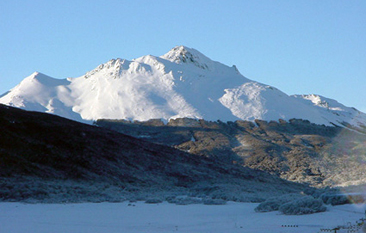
(165, 217)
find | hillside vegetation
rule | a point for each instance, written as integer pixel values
(296, 150)
(47, 158)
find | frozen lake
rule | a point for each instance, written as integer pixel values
(164, 217)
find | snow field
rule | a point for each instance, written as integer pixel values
(164, 217)
(181, 83)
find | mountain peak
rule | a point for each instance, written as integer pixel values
(37, 75)
(182, 54)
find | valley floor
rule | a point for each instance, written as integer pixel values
(165, 217)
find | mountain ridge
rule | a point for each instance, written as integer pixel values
(181, 83)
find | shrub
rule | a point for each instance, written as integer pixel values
(334, 199)
(304, 205)
(185, 200)
(153, 201)
(209, 201)
(273, 203)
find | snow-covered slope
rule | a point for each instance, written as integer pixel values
(180, 83)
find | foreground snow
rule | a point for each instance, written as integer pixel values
(165, 217)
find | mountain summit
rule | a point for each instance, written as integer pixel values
(180, 83)
(182, 54)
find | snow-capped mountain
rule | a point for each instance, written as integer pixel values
(180, 83)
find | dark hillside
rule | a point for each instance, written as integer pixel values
(49, 158)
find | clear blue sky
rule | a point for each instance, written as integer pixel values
(300, 47)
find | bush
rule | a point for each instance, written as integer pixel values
(185, 200)
(274, 203)
(305, 205)
(209, 201)
(334, 199)
(153, 201)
